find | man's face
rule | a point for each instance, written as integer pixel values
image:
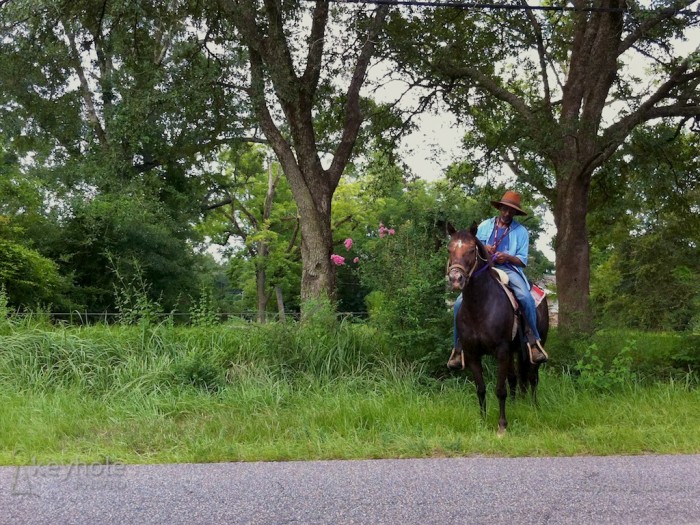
(506, 214)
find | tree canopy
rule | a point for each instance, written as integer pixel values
(553, 95)
(127, 124)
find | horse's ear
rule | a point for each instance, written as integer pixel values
(473, 228)
(451, 230)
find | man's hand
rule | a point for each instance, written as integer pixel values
(489, 249)
(501, 258)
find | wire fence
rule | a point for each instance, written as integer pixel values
(180, 318)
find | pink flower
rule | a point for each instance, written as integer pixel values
(338, 260)
(348, 244)
(383, 230)
(356, 260)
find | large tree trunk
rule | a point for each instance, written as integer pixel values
(318, 273)
(573, 254)
(313, 196)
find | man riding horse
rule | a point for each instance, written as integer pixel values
(507, 242)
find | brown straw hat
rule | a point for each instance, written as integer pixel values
(511, 199)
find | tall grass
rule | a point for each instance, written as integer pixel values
(322, 389)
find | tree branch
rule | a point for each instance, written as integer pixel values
(648, 24)
(85, 90)
(542, 55)
(315, 52)
(353, 118)
(647, 110)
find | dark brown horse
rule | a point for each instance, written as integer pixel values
(485, 322)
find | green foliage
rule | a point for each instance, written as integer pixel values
(133, 299)
(114, 163)
(647, 356)
(644, 232)
(29, 279)
(405, 272)
(203, 312)
(594, 375)
(195, 369)
(5, 310)
(254, 214)
(131, 232)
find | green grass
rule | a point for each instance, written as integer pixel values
(163, 394)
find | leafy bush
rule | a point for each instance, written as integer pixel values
(593, 374)
(133, 300)
(203, 313)
(406, 274)
(648, 355)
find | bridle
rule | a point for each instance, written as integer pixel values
(473, 272)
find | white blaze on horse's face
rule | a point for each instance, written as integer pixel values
(461, 259)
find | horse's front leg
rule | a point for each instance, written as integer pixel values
(505, 365)
(478, 373)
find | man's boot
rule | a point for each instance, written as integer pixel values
(537, 353)
(536, 350)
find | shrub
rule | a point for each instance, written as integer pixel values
(593, 374)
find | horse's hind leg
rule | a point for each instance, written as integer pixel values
(478, 372)
(512, 379)
(505, 365)
(533, 380)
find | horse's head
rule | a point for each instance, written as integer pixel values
(464, 256)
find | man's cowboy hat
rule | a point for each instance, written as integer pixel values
(511, 199)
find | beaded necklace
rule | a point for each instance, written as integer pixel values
(498, 240)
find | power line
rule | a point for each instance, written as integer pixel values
(512, 7)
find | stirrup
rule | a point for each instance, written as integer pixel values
(456, 362)
(536, 353)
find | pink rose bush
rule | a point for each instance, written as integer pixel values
(339, 260)
(384, 231)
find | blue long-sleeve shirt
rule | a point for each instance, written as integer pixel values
(518, 241)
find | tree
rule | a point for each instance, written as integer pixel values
(28, 278)
(253, 204)
(115, 104)
(553, 95)
(299, 76)
(645, 232)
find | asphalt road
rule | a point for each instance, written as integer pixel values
(580, 490)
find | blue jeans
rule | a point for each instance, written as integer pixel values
(522, 294)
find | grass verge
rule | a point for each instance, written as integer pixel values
(178, 395)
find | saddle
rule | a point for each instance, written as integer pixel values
(537, 294)
(502, 278)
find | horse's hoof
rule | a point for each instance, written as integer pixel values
(501, 432)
